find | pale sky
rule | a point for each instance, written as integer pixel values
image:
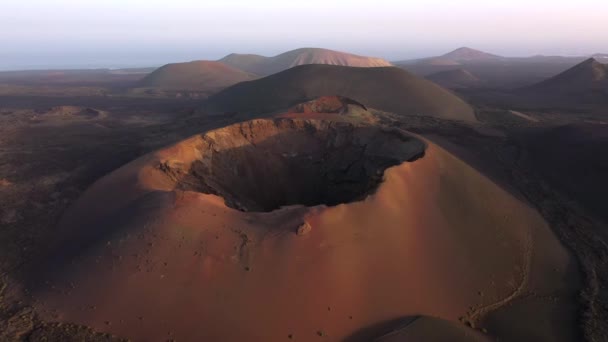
(121, 33)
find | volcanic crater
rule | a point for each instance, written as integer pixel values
(154, 245)
(265, 164)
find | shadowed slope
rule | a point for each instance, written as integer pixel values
(586, 76)
(455, 79)
(582, 87)
(429, 329)
(573, 158)
(261, 65)
(390, 89)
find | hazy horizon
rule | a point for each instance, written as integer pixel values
(111, 34)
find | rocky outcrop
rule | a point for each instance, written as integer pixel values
(261, 165)
(327, 104)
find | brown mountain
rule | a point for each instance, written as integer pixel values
(455, 79)
(196, 75)
(459, 56)
(261, 65)
(468, 54)
(389, 89)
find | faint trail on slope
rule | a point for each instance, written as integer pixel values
(476, 313)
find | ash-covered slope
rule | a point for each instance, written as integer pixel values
(389, 89)
(582, 87)
(588, 75)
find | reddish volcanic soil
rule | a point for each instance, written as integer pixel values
(151, 252)
(326, 104)
(326, 108)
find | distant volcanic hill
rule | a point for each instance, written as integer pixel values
(196, 75)
(454, 79)
(263, 66)
(390, 89)
(468, 54)
(588, 75)
(582, 87)
(459, 56)
(493, 70)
